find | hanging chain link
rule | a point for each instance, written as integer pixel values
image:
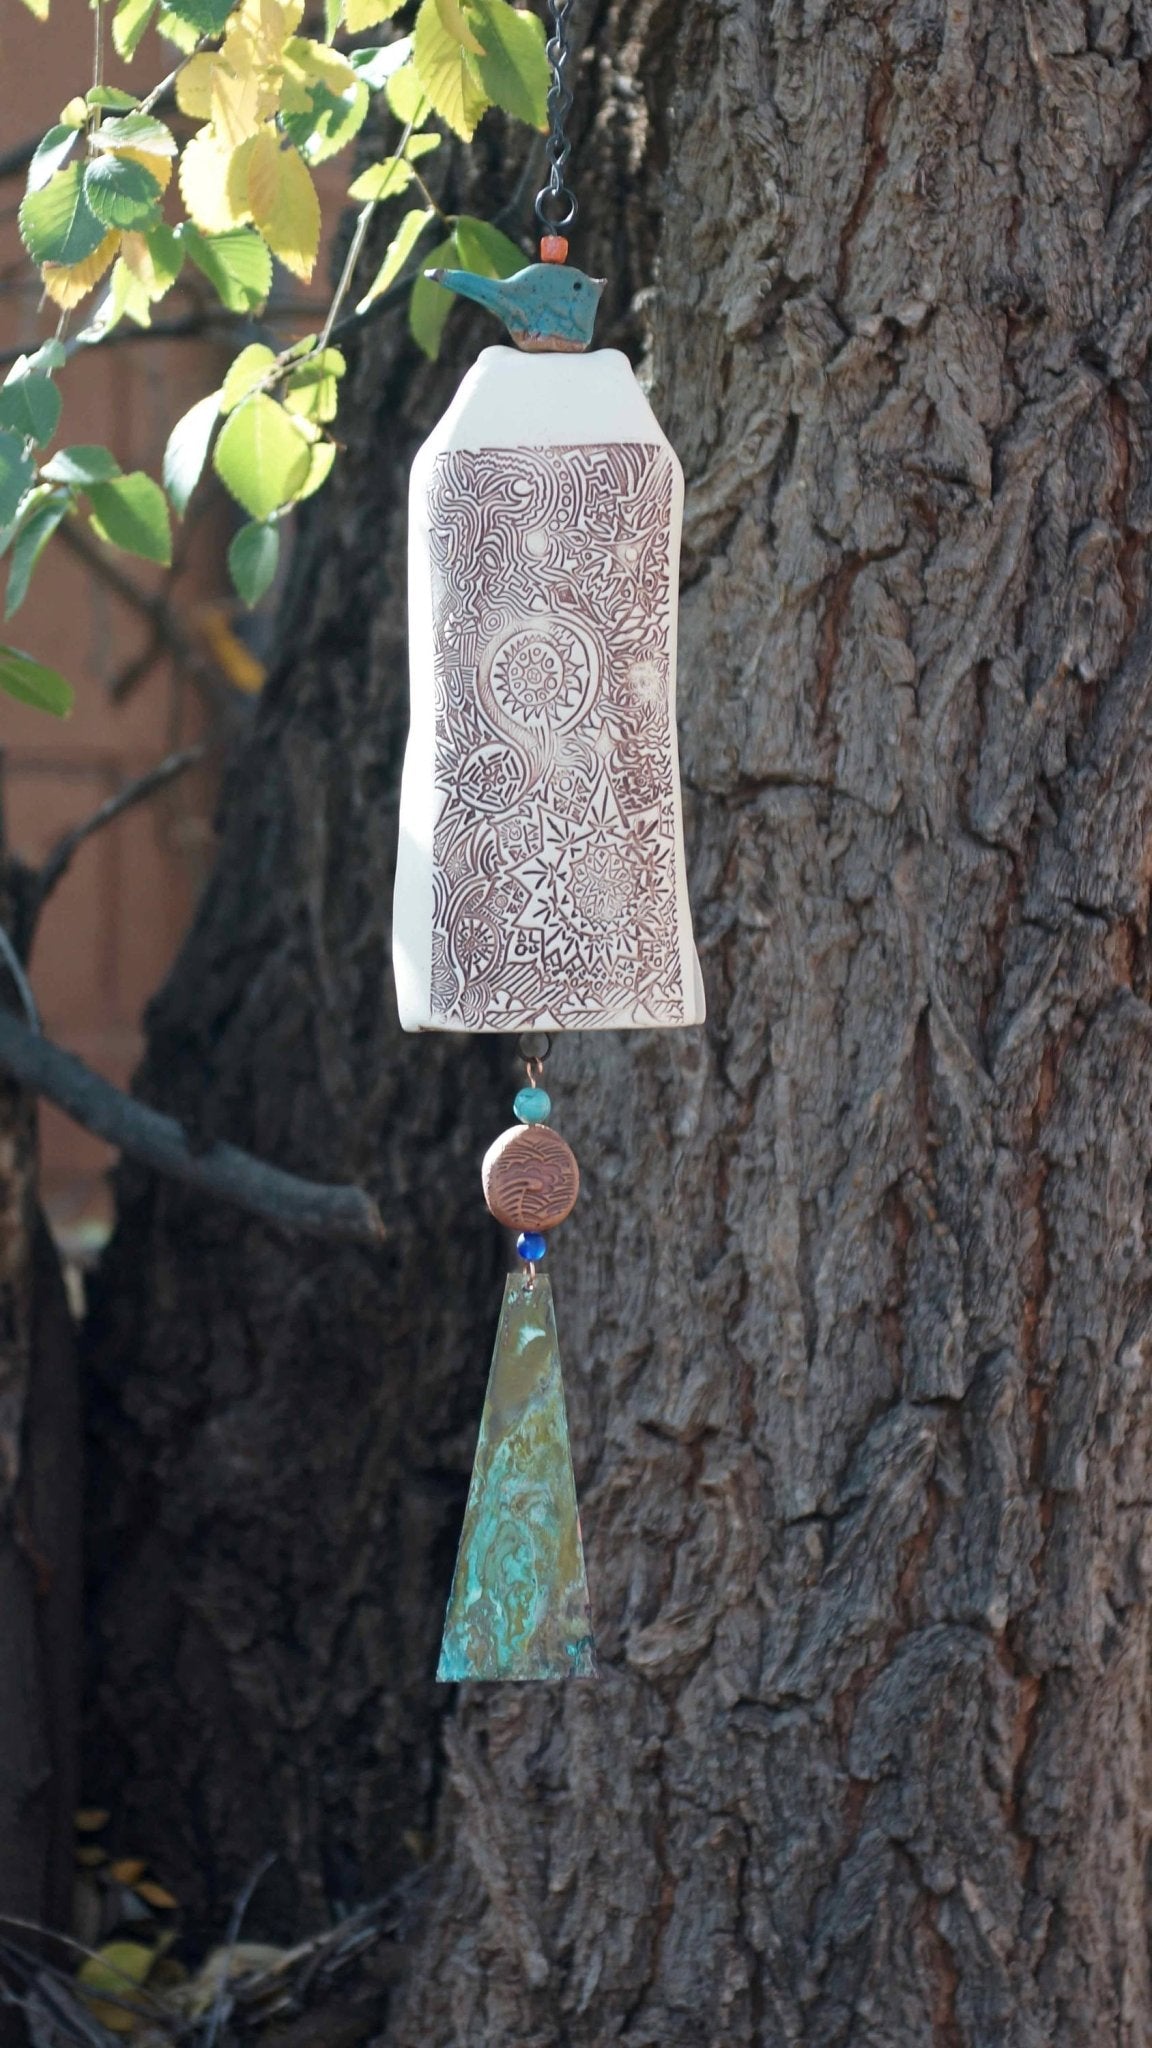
(556, 202)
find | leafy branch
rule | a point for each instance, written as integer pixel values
(258, 104)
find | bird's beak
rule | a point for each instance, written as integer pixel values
(487, 291)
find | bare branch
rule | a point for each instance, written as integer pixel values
(153, 606)
(123, 799)
(223, 1172)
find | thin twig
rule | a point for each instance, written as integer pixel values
(134, 792)
(235, 1923)
(222, 1172)
(15, 968)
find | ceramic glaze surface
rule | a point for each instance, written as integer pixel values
(519, 1602)
(540, 880)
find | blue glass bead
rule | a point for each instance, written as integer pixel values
(531, 1247)
(532, 1106)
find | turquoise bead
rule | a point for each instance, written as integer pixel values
(533, 1106)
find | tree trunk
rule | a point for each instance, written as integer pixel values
(40, 1557)
(856, 1307)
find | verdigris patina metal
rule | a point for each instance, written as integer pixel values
(519, 1602)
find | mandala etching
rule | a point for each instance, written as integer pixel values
(555, 834)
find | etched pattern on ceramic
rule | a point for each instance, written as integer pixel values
(530, 1178)
(555, 847)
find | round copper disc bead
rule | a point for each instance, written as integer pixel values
(531, 1179)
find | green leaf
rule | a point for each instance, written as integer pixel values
(376, 66)
(393, 174)
(51, 355)
(17, 470)
(81, 465)
(430, 304)
(56, 223)
(120, 193)
(35, 532)
(50, 154)
(131, 513)
(126, 299)
(31, 683)
(330, 123)
(129, 23)
(166, 251)
(261, 456)
(30, 405)
(444, 72)
(207, 17)
(187, 449)
(238, 264)
(252, 560)
(111, 96)
(484, 249)
(333, 16)
(313, 390)
(513, 71)
(399, 249)
(250, 368)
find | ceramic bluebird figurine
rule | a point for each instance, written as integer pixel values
(547, 307)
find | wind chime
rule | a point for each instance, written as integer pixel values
(540, 874)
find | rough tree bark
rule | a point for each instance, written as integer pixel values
(857, 1306)
(40, 1535)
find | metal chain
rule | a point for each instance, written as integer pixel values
(556, 207)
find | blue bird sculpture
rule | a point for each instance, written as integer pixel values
(545, 307)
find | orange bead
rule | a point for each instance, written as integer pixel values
(553, 249)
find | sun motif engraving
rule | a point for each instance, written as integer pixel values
(542, 672)
(602, 886)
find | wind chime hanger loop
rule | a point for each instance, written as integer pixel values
(556, 204)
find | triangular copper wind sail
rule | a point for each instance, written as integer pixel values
(519, 1602)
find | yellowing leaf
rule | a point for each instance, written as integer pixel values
(382, 181)
(90, 1858)
(153, 259)
(239, 664)
(323, 456)
(194, 86)
(155, 1895)
(283, 203)
(213, 181)
(250, 368)
(400, 248)
(128, 1870)
(37, 7)
(262, 456)
(116, 1971)
(271, 22)
(442, 67)
(128, 299)
(67, 283)
(158, 167)
(360, 14)
(452, 15)
(90, 1819)
(318, 65)
(406, 96)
